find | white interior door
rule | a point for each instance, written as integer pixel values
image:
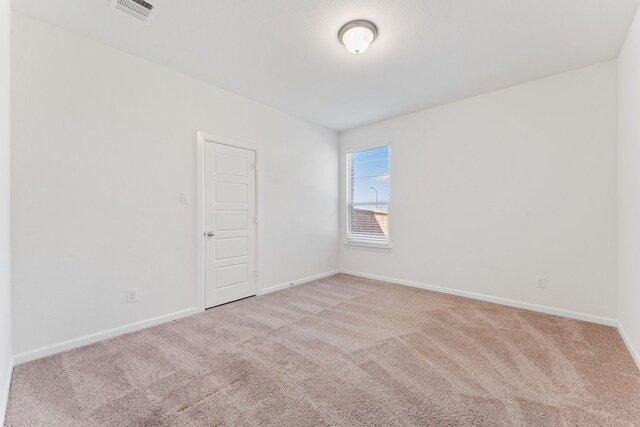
(230, 223)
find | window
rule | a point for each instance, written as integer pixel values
(368, 197)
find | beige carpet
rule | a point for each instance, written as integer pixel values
(340, 351)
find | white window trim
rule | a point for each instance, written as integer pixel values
(368, 246)
(365, 243)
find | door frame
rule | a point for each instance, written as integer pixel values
(202, 139)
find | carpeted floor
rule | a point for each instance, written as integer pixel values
(340, 351)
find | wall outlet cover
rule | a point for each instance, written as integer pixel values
(132, 295)
(541, 282)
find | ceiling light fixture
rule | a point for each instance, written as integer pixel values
(357, 35)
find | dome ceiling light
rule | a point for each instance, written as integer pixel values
(357, 35)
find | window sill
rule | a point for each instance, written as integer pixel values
(368, 246)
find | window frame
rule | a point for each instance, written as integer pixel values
(364, 242)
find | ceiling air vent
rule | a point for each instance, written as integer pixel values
(139, 9)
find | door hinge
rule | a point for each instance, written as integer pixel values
(255, 219)
(253, 165)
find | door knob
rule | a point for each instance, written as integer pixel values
(210, 234)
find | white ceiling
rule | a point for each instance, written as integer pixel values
(285, 53)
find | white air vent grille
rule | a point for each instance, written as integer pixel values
(139, 9)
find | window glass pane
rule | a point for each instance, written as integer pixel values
(368, 175)
(370, 179)
(370, 221)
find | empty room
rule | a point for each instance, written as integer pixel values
(320, 213)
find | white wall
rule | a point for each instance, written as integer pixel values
(490, 192)
(102, 144)
(5, 245)
(629, 189)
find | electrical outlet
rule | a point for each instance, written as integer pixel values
(541, 282)
(132, 295)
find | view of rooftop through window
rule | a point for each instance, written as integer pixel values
(368, 195)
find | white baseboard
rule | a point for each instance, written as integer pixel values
(99, 336)
(488, 298)
(92, 338)
(5, 392)
(634, 353)
(297, 282)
